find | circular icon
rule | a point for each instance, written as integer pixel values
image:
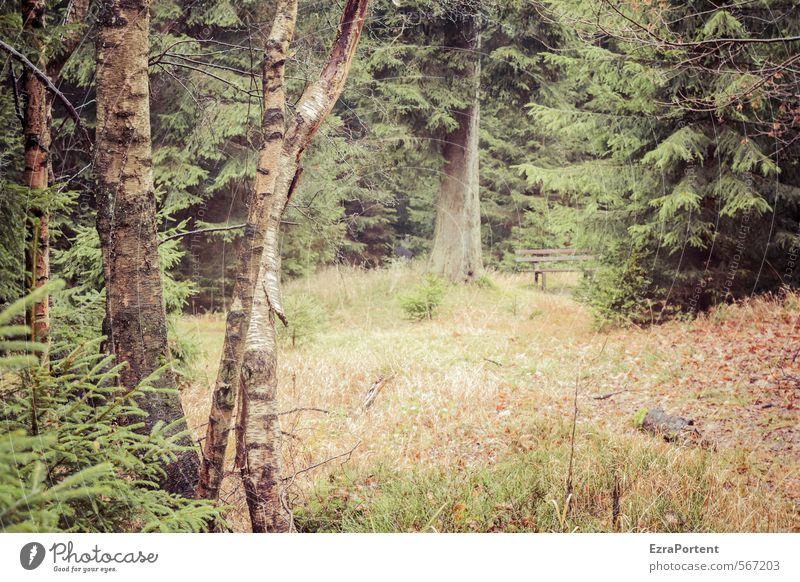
(31, 555)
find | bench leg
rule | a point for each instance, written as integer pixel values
(544, 281)
(535, 278)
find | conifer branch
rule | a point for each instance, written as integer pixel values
(711, 42)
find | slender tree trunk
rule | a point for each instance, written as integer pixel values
(35, 175)
(258, 446)
(281, 172)
(239, 315)
(126, 222)
(259, 442)
(38, 163)
(456, 253)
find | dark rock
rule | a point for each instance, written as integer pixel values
(671, 427)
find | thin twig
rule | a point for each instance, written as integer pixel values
(609, 395)
(304, 409)
(347, 454)
(201, 230)
(575, 424)
(572, 441)
(155, 59)
(212, 75)
(188, 59)
(214, 229)
(615, 495)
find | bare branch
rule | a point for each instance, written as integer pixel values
(209, 74)
(304, 409)
(214, 229)
(201, 230)
(347, 454)
(15, 54)
(713, 42)
(188, 59)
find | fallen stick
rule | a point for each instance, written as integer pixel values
(374, 390)
(304, 409)
(609, 395)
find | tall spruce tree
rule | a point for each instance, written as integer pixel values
(419, 66)
(456, 252)
(671, 158)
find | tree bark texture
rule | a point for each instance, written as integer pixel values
(264, 191)
(35, 175)
(259, 444)
(456, 252)
(126, 221)
(38, 163)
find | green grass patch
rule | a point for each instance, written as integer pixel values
(662, 488)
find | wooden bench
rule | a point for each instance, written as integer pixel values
(536, 257)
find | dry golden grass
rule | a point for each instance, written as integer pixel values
(480, 398)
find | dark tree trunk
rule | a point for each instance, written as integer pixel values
(456, 252)
(35, 174)
(126, 220)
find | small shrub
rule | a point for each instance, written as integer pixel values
(484, 282)
(306, 319)
(624, 293)
(535, 313)
(638, 418)
(424, 300)
(512, 303)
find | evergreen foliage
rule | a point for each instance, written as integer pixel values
(72, 457)
(306, 319)
(698, 199)
(423, 301)
(587, 140)
(652, 133)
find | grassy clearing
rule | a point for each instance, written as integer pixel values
(471, 430)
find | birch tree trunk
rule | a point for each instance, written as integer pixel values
(264, 191)
(35, 174)
(258, 445)
(456, 252)
(258, 440)
(126, 221)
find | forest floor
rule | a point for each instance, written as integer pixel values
(472, 427)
